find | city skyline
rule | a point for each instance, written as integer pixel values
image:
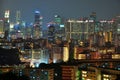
(81, 40)
(105, 9)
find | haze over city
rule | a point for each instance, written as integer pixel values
(105, 9)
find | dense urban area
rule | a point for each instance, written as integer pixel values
(85, 48)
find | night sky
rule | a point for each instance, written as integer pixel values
(105, 9)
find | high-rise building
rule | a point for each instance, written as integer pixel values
(16, 29)
(51, 33)
(116, 31)
(39, 56)
(1, 28)
(106, 30)
(37, 33)
(77, 29)
(59, 28)
(65, 54)
(18, 16)
(12, 32)
(57, 54)
(6, 23)
(57, 19)
(93, 16)
(28, 32)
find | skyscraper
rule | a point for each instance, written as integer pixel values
(59, 28)
(1, 28)
(77, 29)
(51, 34)
(6, 23)
(57, 19)
(18, 16)
(37, 32)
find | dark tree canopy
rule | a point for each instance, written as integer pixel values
(9, 56)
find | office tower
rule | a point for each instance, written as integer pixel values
(44, 56)
(18, 17)
(116, 31)
(59, 28)
(65, 54)
(37, 30)
(93, 16)
(97, 34)
(28, 31)
(18, 30)
(57, 54)
(77, 29)
(6, 23)
(57, 22)
(39, 56)
(62, 32)
(95, 30)
(51, 33)
(71, 50)
(12, 31)
(7, 15)
(24, 30)
(1, 28)
(57, 19)
(106, 30)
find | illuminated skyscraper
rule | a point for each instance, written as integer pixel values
(6, 23)
(57, 19)
(105, 32)
(28, 31)
(39, 56)
(12, 31)
(59, 28)
(65, 54)
(77, 29)
(18, 16)
(37, 32)
(116, 31)
(1, 28)
(51, 34)
(57, 54)
(94, 29)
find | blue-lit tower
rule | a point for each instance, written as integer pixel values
(37, 30)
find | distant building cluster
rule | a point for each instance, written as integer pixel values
(19, 28)
(65, 41)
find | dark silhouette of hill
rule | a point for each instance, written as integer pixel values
(9, 56)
